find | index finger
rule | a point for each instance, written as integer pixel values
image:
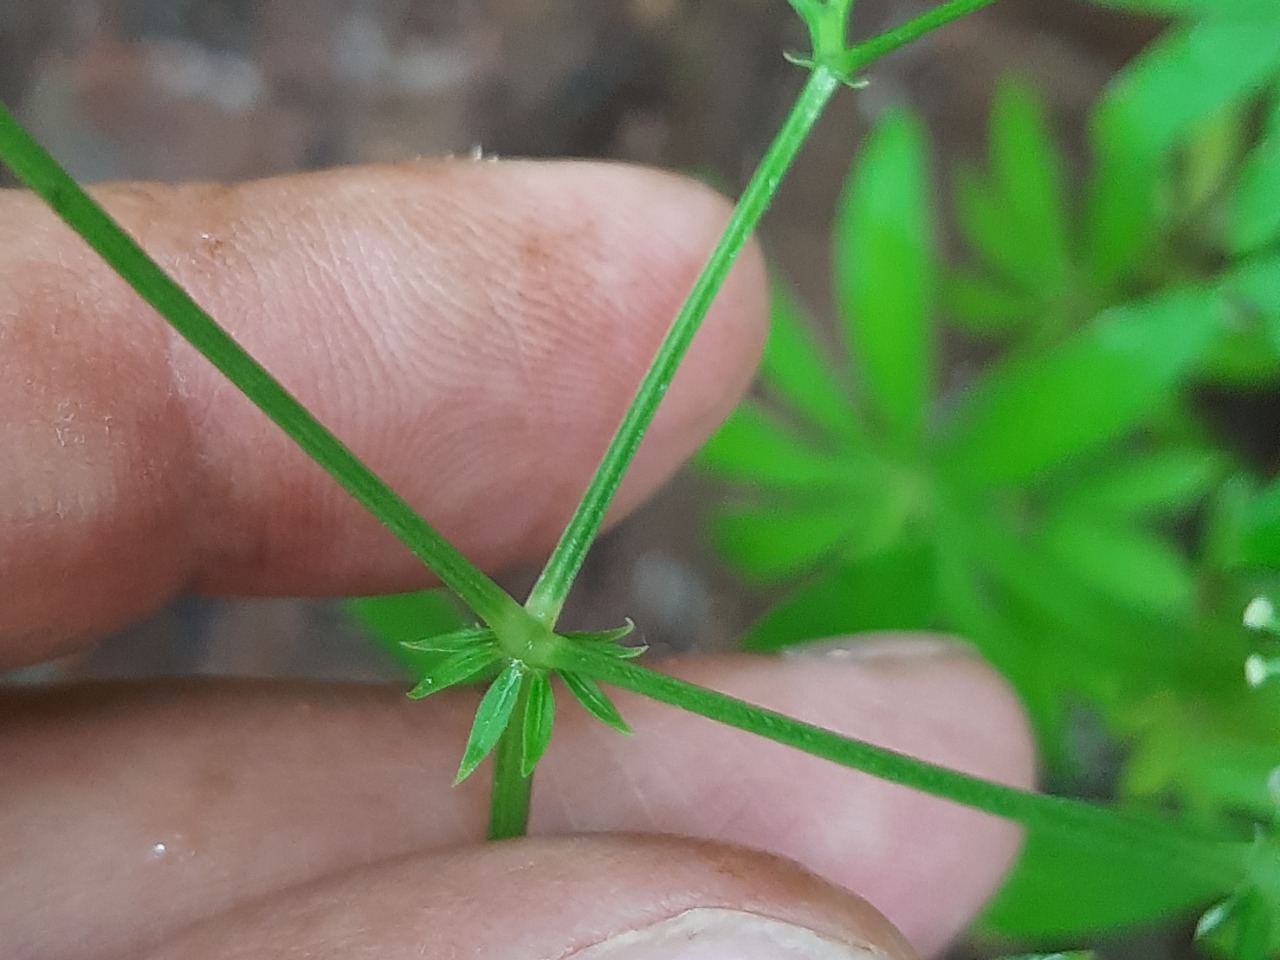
(472, 330)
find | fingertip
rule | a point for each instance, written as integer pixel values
(590, 898)
(929, 865)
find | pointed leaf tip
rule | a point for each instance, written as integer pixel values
(538, 721)
(594, 701)
(465, 639)
(454, 670)
(492, 717)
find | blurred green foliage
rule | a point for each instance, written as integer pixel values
(1067, 506)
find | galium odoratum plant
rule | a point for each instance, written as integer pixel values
(520, 642)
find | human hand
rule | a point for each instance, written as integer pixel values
(473, 331)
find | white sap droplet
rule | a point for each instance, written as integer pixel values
(159, 851)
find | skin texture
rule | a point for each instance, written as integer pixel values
(472, 330)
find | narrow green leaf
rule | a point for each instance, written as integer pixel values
(971, 605)
(1207, 158)
(1026, 416)
(392, 620)
(753, 447)
(793, 367)
(1211, 751)
(588, 693)
(403, 617)
(492, 717)
(1064, 886)
(608, 637)
(1242, 927)
(1159, 8)
(1121, 218)
(1253, 288)
(1249, 352)
(458, 640)
(1228, 522)
(1260, 540)
(889, 591)
(769, 543)
(884, 275)
(986, 307)
(1124, 563)
(606, 641)
(1256, 924)
(986, 226)
(459, 668)
(1254, 212)
(1167, 481)
(1026, 168)
(1190, 73)
(624, 653)
(855, 59)
(539, 718)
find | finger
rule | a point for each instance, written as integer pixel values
(472, 330)
(602, 898)
(171, 804)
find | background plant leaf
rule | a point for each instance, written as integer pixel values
(794, 369)
(753, 446)
(884, 267)
(393, 620)
(1190, 73)
(1064, 889)
(1260, 543)
(1165, 481)
(892, 590)
(1024, 417)
(1254, 214)
(1026, 168)
(987, 308)
(1123, 562)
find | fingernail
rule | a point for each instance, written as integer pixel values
(717, 933)
(887, 648)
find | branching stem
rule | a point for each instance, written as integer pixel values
(552, 588)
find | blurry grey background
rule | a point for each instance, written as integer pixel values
(233, 89)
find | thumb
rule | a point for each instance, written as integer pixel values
(582, 898)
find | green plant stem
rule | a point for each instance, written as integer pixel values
(549, 593)
(510, 793)
(1218, 863)
(41, 173)
(858, 56)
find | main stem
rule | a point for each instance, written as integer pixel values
(552, 588)
(510, 794)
